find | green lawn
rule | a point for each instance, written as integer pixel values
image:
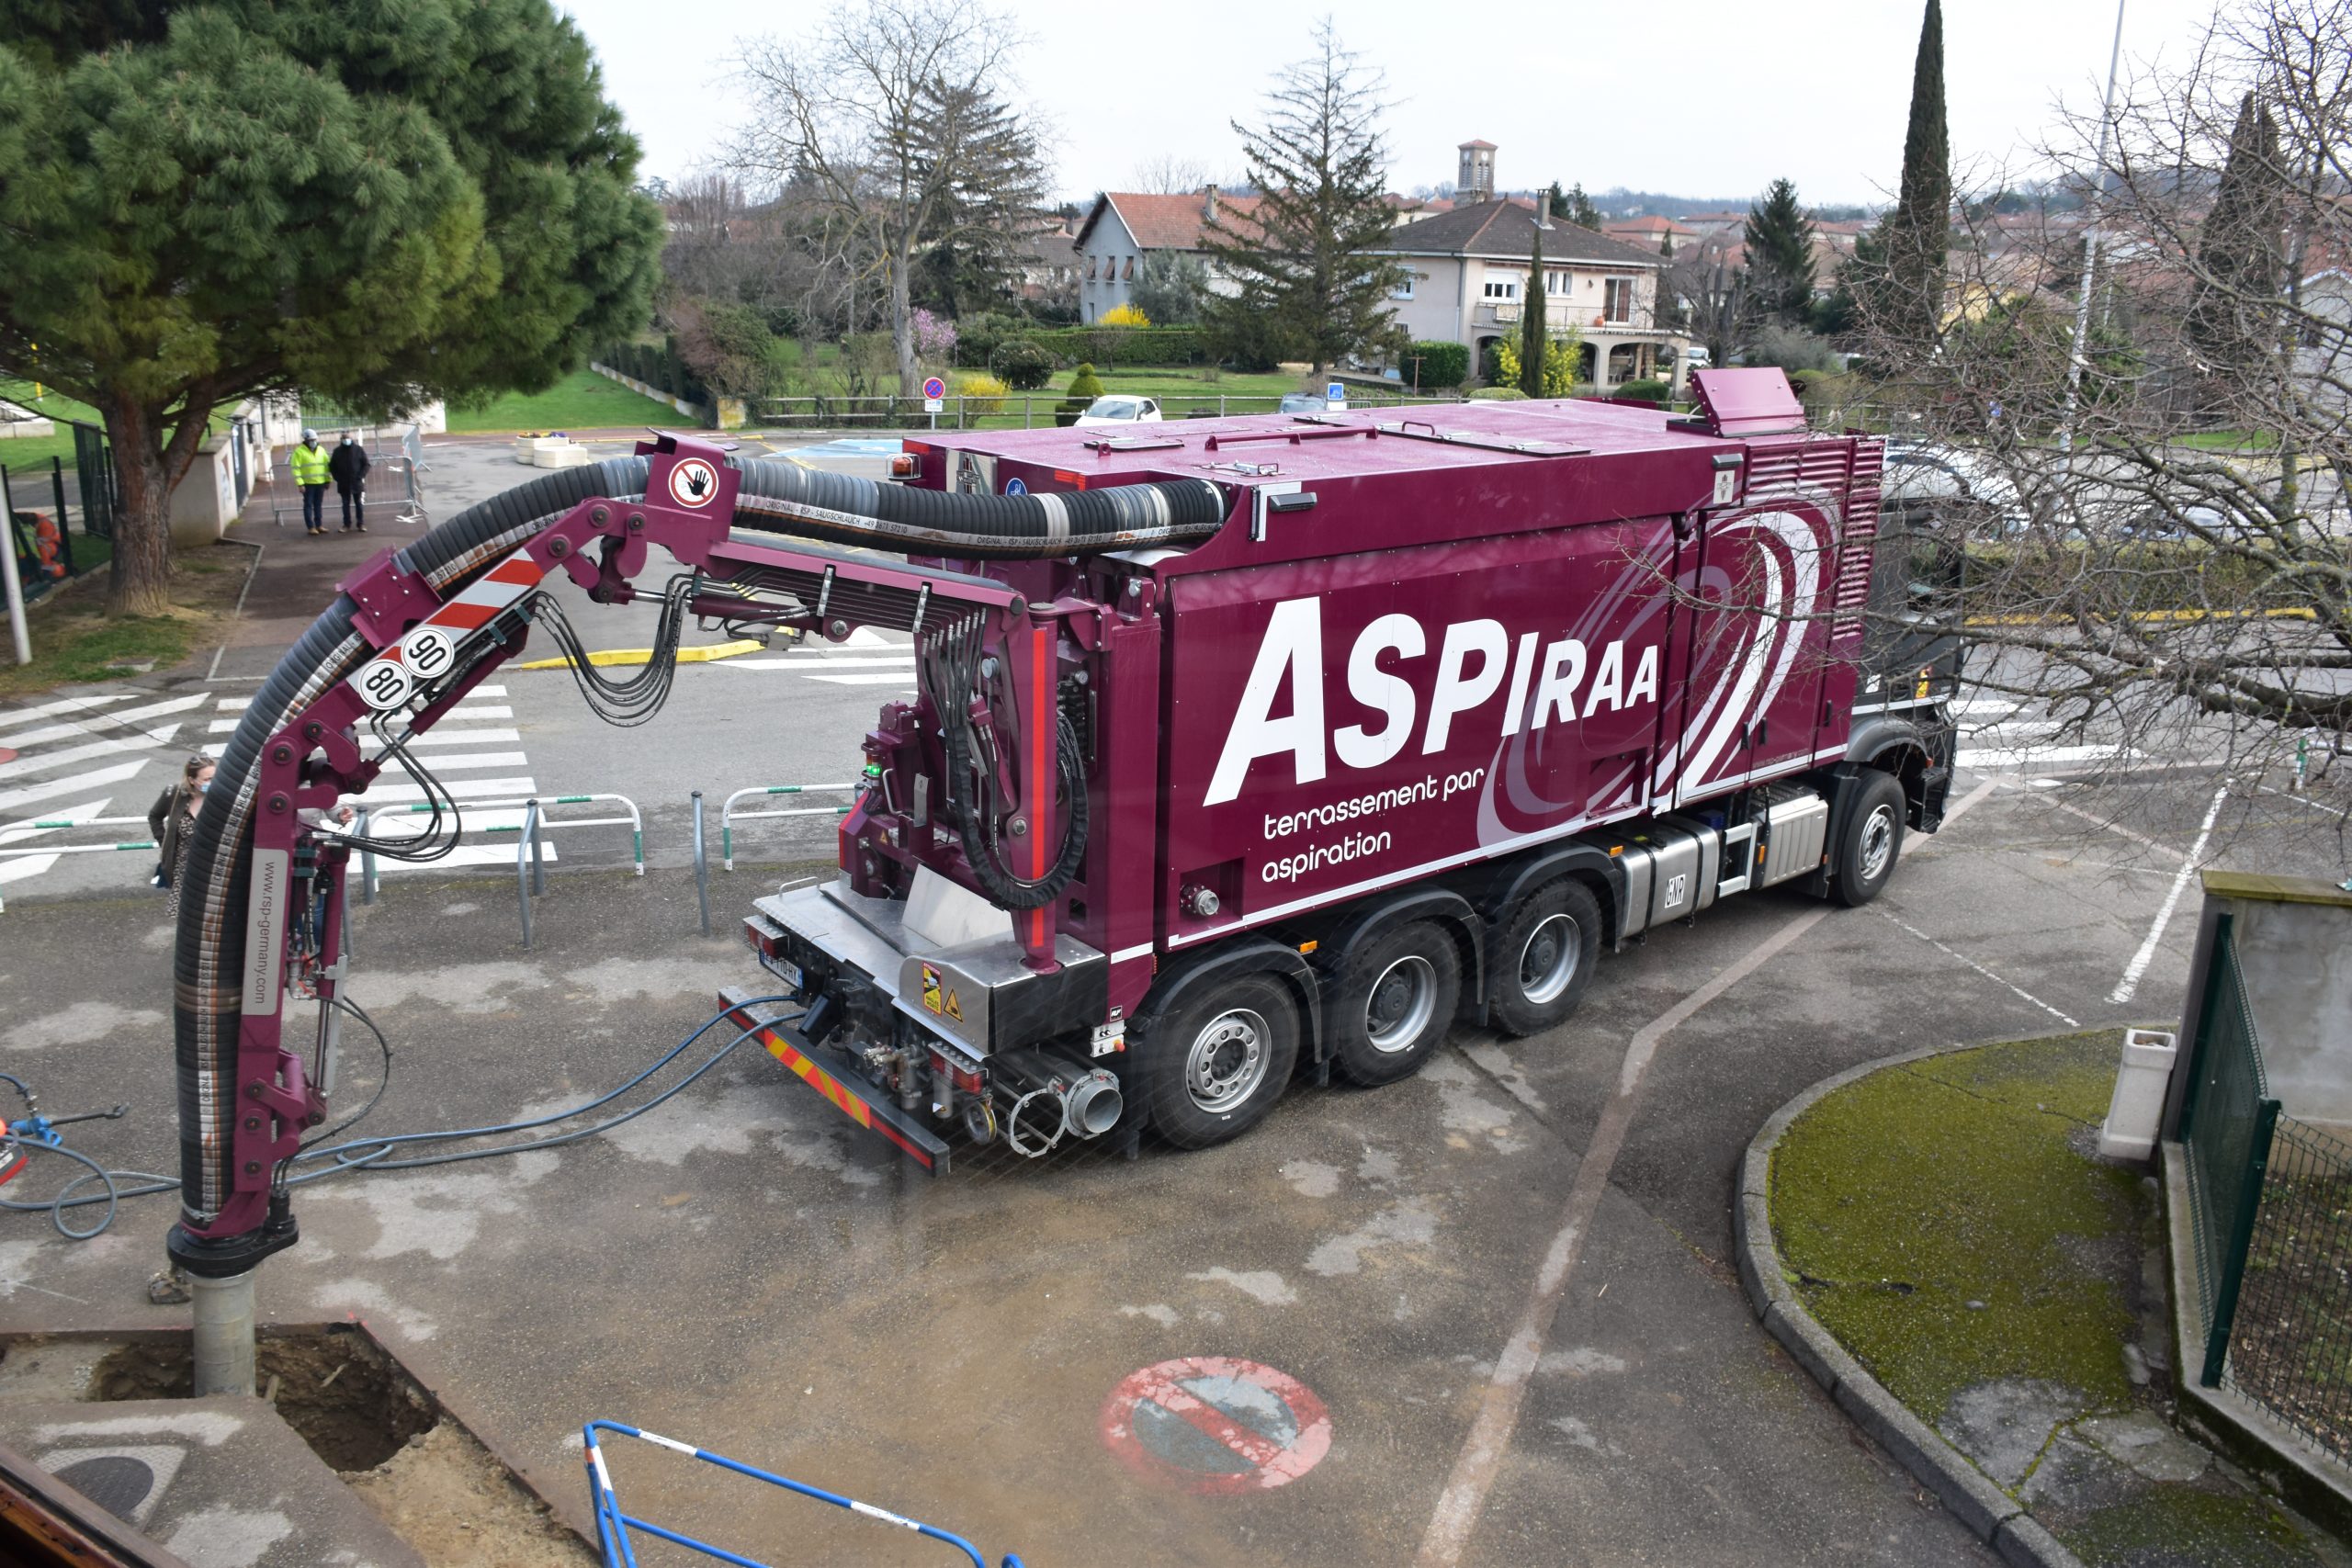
(23, 455)
(582, 401)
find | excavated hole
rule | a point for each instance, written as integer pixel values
(342, 1394)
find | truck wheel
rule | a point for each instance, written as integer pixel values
(1869, 842)
(1545, 959)
(1394, 1008)
(1214, 1065)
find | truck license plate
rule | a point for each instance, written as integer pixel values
(789, 970)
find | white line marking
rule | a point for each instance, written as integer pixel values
(2301, 800)
(464, 854)
(894, 678)
(1479, 1461)
(465, 760)
(31, 866)
(2008, 986)
(2147, 953)
(152, 710)
(464, 789)
(73, 814)
(34, 764)
(467, 738)
(2032, 756)
(72, 704)
(49, 789)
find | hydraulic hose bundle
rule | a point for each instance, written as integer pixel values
(951, 671)
(779, 498)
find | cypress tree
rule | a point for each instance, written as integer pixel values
(2233, 313)
(1917, 232)
(1532, 323)
(1779, 253)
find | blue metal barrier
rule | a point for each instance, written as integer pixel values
(613, 1525)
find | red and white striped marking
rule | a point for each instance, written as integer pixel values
(387, 680)
(1216, 1427)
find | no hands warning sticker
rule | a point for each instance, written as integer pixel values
(692, 482)
(1215, 1425)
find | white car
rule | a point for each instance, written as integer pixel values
(1116, 408)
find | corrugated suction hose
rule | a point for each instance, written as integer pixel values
(781, 497)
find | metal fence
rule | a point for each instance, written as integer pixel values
(2270, 1218)
(1033, 410)
(394, 489)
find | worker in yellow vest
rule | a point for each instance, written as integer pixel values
(310, 464)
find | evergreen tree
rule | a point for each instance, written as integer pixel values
(1303, 263)
(2234, 314)
(199, 203)
(1779, 254)
(1532, 323)
(1917, 233)
(1572, 206)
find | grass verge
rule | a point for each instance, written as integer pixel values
(582, 401)
(1936, 1216)
(75, 640)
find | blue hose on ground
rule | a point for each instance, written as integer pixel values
(374, 1154)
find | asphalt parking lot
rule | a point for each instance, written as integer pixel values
(744, 1270)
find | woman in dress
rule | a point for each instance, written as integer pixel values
(172, 821)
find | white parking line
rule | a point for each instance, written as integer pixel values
(1479, 1461)
(2008, 986)
(2146, 955)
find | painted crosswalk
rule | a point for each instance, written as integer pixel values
(86, 768)
(866, 657)
(1994, 738)
(81, 770)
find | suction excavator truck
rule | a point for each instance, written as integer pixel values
(1241, 749)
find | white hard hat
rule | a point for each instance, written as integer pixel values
(309, 435)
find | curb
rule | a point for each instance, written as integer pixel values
(1991, 1515)
(619, 656)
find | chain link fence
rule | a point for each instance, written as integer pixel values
(2270, 1217)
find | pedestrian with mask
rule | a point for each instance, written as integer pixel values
(348, 468)
(308, 461)
(172, 821)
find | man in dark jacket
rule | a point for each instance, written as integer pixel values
(348, 468)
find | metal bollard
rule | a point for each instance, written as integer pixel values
(522, 872)
(702, 867)
(539, 859)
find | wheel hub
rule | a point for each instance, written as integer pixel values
(1226, 1061)
(1403, 1000)
(1548, 962)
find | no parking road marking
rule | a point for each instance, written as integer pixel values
(1215, 1425)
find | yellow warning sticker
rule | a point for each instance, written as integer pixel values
(930, 990)
(955, 1008)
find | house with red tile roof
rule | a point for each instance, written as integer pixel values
(1125, 227)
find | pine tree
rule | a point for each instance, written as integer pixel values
(1917, 233)
(1309, 280)
(1532, 322)
(200, 203)
(1779, 254)
(2234, 314)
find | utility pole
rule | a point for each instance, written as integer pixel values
(2076, 361)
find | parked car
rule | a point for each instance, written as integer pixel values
(1696, 357)
(1311, 403)
(1115, 408)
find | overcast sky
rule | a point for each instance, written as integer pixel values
(1698, 97)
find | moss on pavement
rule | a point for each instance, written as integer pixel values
(1934, 1216)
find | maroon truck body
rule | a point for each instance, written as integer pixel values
(1426, 644)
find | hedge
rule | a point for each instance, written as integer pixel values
(977, 341)
(1443, 364)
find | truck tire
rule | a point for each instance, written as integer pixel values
(1546, 958)
(1391, 1010)
(1214, 1065)
(1869, 840)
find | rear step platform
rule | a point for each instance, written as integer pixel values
(831, 1071)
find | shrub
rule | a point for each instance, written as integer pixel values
(1084, 387)
(1125, 316)
(1124, 345)
(1024, 365)
(1560, 356)
(935, 337)
(1498, 395)
(784, 320)
(1442, 363)
(1791, 349)
(1650, 389)
(982, 395)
